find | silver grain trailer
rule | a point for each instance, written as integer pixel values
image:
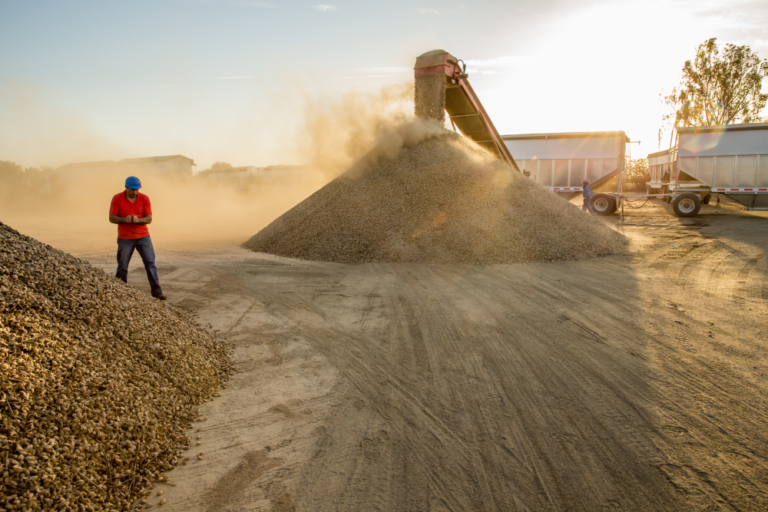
(705, 160)
(730, 160)
(560, 162)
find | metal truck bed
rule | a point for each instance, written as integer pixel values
(730, 160)
(661, 167)
(562, 161)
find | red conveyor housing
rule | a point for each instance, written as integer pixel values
(454, 94)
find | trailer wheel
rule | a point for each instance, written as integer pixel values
(706, 198)
(603, 204)
(686, 205)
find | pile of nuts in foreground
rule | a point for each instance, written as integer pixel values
(441, 200)
(98, 382)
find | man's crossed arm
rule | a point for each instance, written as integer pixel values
(131, 219)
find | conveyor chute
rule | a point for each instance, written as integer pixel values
(442, 86)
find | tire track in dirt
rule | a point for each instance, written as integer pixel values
(473, 423)
(716, 337)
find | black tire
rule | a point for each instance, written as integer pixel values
(686, 205)
(603, 204)
(706, 198)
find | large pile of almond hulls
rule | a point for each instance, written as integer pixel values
(98, 382)
(440, 200)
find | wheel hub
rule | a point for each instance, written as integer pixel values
(601, 204)
(686, 205)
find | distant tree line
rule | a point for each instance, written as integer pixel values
(637, 171)
(15, 179)
(11, 170)
(217, 166)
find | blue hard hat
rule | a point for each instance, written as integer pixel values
(133, 182)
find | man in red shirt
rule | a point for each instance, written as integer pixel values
(132, 211)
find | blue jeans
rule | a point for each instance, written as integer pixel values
(146, 251)
(587, 206)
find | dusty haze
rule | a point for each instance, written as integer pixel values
(332, 133)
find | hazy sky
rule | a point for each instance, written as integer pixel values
(225, 79)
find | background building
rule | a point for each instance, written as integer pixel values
(173, 166)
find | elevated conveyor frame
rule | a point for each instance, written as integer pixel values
(442, 86)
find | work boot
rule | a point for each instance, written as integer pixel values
(160, 296)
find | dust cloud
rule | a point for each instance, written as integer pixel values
(340, 130)
(331, 133)
(73, 216)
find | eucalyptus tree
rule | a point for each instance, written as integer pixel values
(718, 87)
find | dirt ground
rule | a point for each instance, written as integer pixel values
(633, 382)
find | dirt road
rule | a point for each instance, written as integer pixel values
(635, 382)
